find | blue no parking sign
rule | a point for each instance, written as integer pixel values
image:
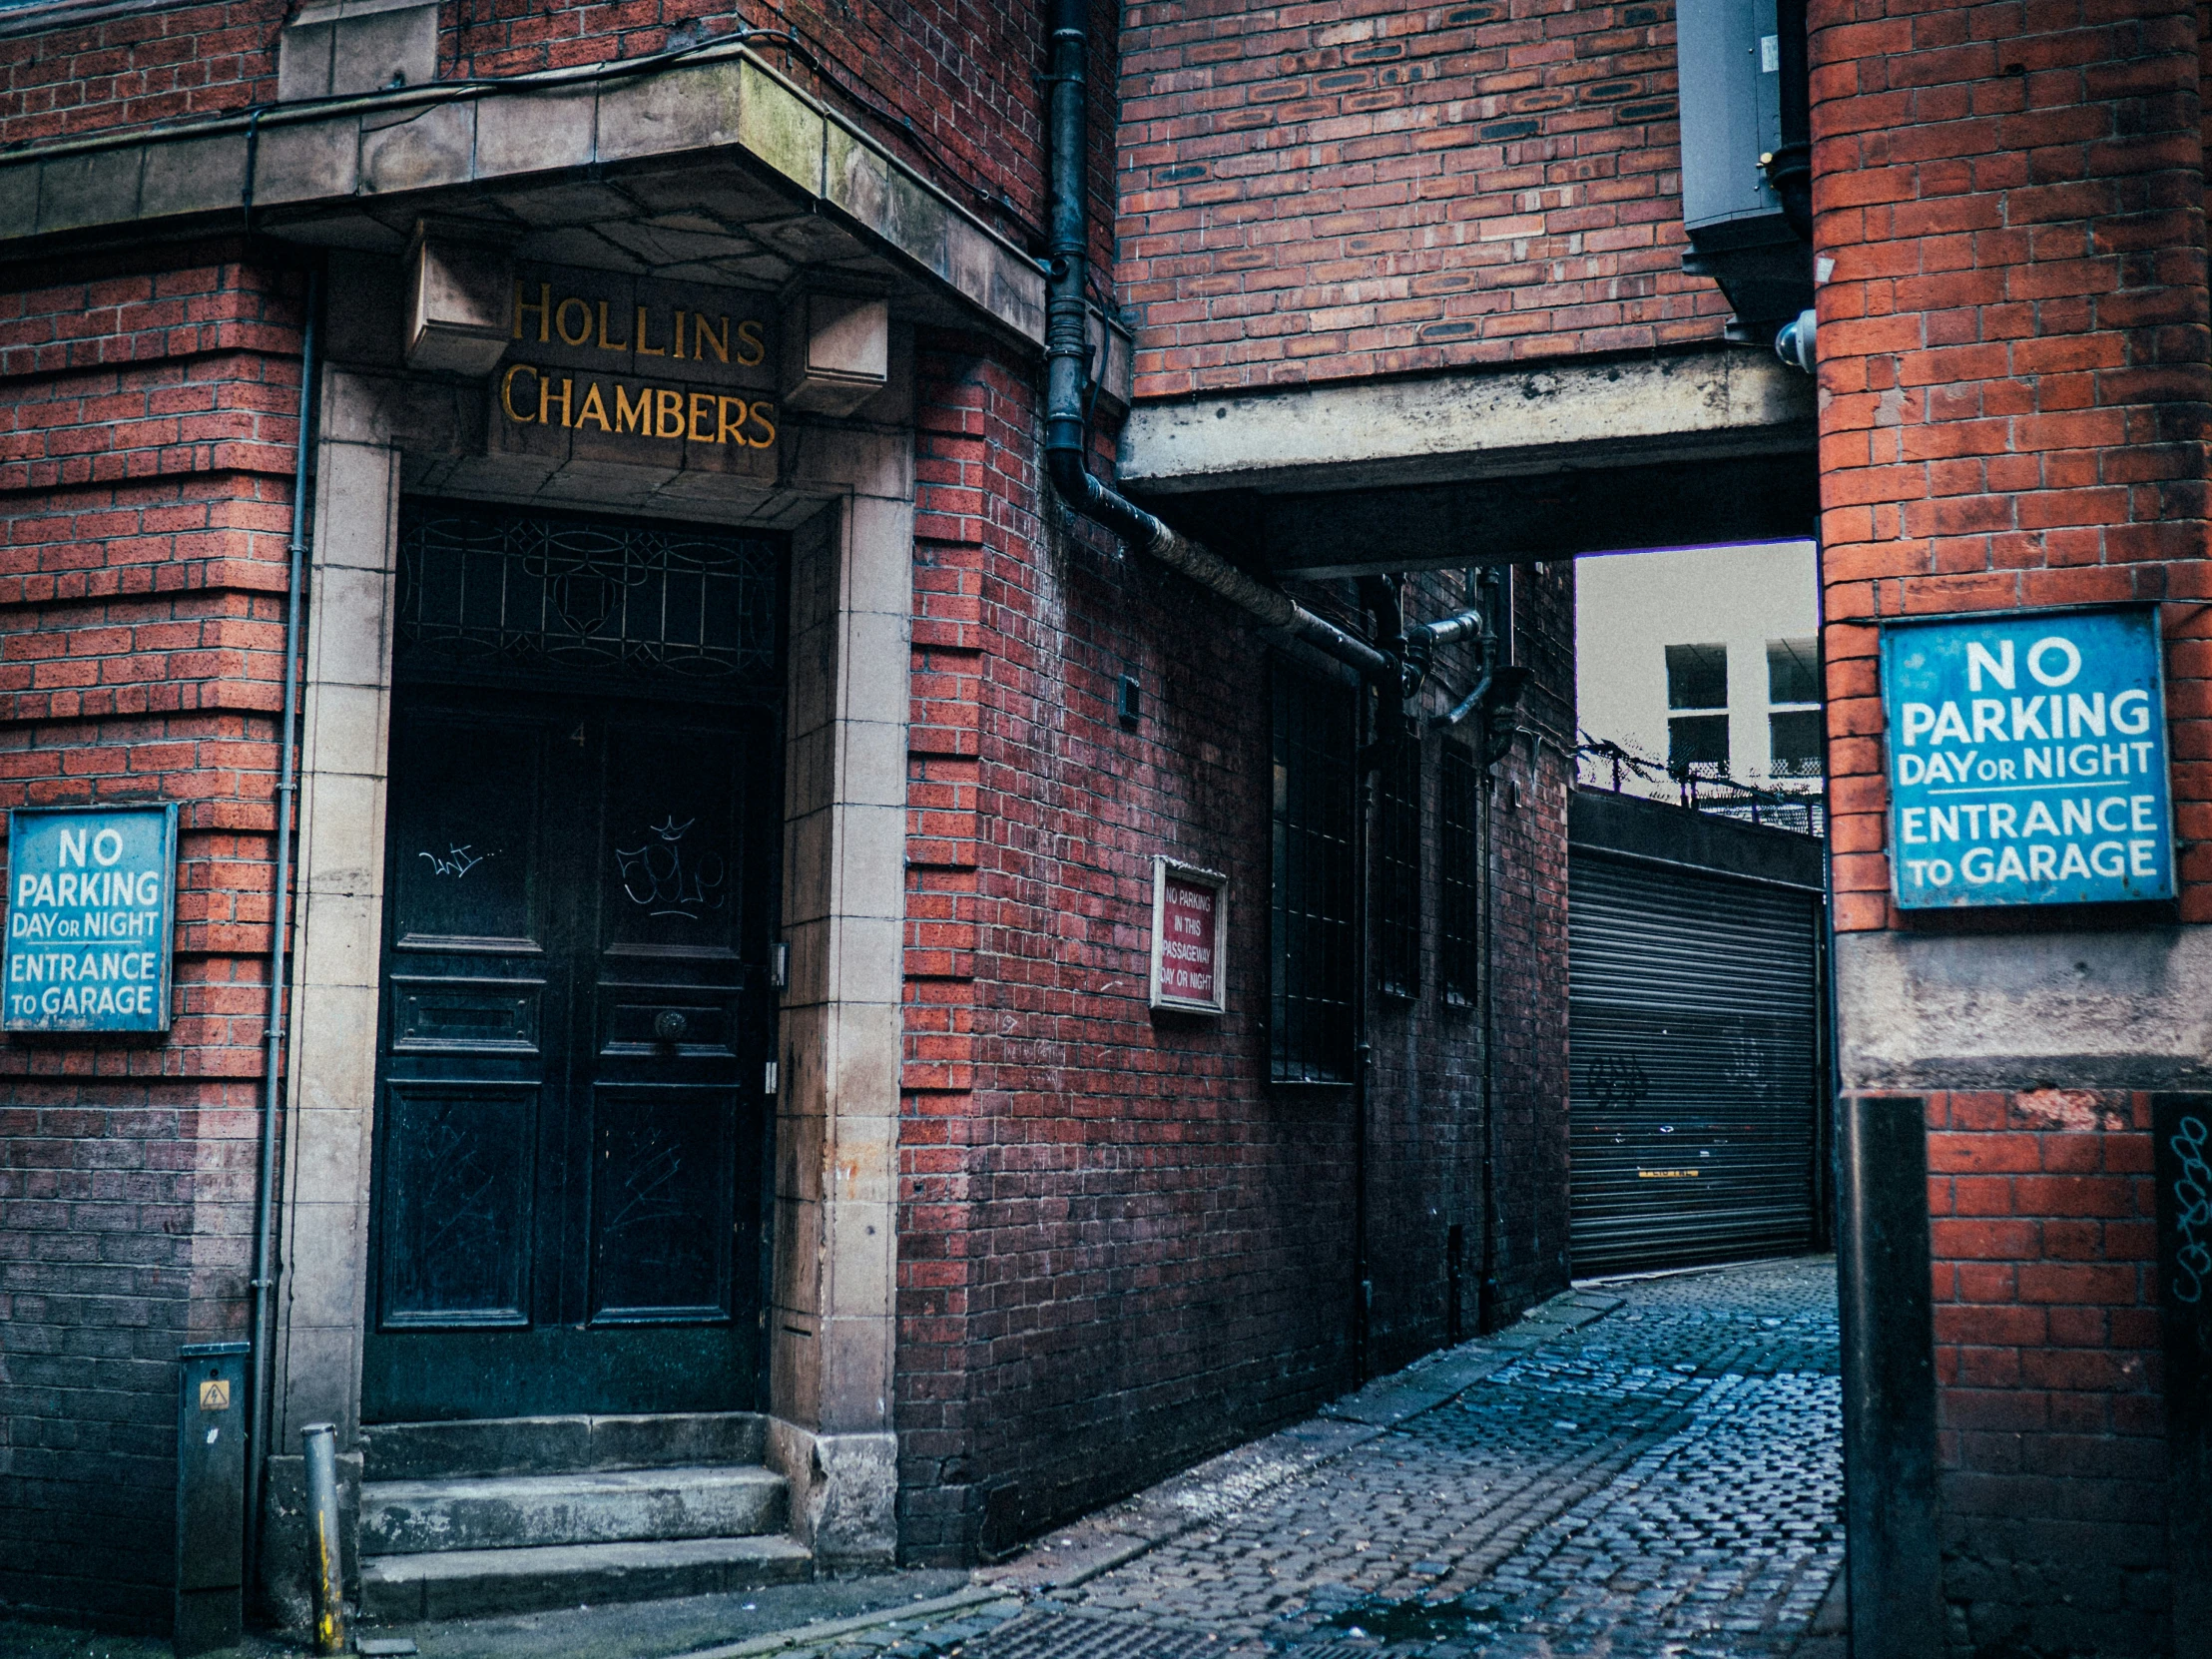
(2027, 758)
(92, 907)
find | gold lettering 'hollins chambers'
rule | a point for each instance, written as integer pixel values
(652, 354)
(651, 412)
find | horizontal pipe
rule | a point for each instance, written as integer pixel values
(1451, 630)
(1468, 704)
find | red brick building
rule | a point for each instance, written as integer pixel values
(1374, 291)
(673, 400)
(2006, 214)
(2014, 385)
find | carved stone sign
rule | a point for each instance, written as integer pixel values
(622, 368)
(92, 905)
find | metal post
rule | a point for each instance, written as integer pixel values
(318, 1440)
(1888, 1352)
(2181, 1133)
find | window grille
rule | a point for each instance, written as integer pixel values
(1459, 873)
(1794, 743)
(1311, 942)
(487, 593)
(1396, 907)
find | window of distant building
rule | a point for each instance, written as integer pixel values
(1312, 947)
(1697, 705)
(1794, 708)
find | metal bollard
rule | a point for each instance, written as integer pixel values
(320, 1441)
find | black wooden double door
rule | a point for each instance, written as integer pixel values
(575, 1029)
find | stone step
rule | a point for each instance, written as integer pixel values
(483, 1583)
(415, 1517)
(559, 1446)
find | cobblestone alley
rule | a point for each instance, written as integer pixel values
(1634, 1471)
(1644, 1469)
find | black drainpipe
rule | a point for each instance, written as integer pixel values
(1067, 355)
(272, 1063)
(1789, 171)
(1394, 670)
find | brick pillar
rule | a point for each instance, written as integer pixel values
(2014, 402)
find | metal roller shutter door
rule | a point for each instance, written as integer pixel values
(1693, 1043)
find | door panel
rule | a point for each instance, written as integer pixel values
(675, 798)
(662, 1186)
(459, 1202)
(465, 826)
(431, 1015)
(575, 1031)
(633, 1022)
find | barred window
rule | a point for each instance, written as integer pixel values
(1459, 873)
(1397, 907)
(1312, 958)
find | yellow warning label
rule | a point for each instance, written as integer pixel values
(214, 1397)
(1666, 1175)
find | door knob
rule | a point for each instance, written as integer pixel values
(668, 1026)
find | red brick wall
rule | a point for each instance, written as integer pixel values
(2052, 1438)
(1319, 192)
(2014, 402)
(1528, 859)
(1120, 1248)
(2014, 389)
(146, 450)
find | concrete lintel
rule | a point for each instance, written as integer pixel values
(339, 170)
(1472, 423)
(2124, 1009)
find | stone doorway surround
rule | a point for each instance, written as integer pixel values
(846, 497)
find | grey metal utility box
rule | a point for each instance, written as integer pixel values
(210, 1496)
(1732, 59)
(1730, 56)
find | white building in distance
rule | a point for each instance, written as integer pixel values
(1700, 660)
